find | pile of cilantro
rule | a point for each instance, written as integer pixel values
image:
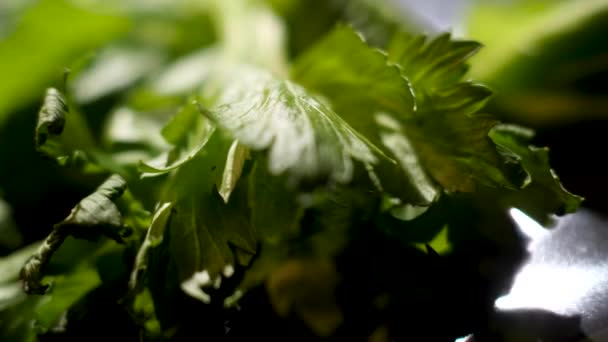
(257, 174)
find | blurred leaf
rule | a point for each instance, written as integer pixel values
(547, 69)
(187, 73)
(250, 31)
(48, 38)
(12, 264)
(10, 236)
(23, 317)
(295, 288)
(275, 211)
(544, 28)
(67, 289)
(144, 308)
(132, 136)
(114, 69)
(440, 244)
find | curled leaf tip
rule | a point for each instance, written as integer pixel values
(51, 117)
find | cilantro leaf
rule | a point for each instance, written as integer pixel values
(430, 65)
(544, 186)
(189, 132)
(450, 138)
(343, 67)
(446, 138)
(204, 230)
(303, 136)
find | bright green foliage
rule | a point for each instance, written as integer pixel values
(44, 42)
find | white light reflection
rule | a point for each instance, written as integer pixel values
(557, 277)
(549, 287)
(528, 227)
(465, 339)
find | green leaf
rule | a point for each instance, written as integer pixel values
(343, 67)
(143, 307)
(94, 216)
(275, 211)
(544, 187)
(154, 238)
(189, 132)
(440, 141)
(240, 23)
(303, 136)
(205, 233)
(417, 187)
(452, 145)
(431, 65)
(450, 139)
(48, 37)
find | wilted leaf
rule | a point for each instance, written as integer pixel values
(94, 216)
(51, 121)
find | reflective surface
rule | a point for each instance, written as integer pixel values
(567, 271)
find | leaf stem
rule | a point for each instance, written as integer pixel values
(32, 272)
